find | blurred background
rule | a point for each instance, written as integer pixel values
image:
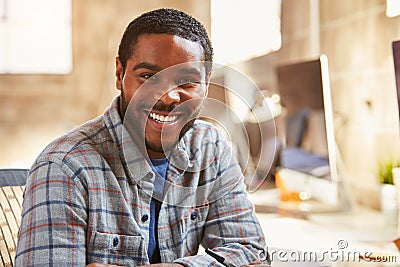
(57, 66)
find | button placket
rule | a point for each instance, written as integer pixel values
(145, 217)
(193, 215)
(149, 176)
(147, 183)
(115, 242)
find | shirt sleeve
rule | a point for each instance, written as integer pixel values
(231, 230)
(53, 226)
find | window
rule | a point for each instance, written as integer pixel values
(392, 8)
(244, 29)
(35, 36)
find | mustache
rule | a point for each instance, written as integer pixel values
(162, 107)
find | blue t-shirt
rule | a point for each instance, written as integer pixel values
(160, 166)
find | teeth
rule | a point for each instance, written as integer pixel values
(162, 118)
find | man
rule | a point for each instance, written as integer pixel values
(145, 183)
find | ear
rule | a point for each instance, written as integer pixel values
(119, 73)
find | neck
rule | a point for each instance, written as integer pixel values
(155, 155)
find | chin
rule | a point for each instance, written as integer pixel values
(158, 148)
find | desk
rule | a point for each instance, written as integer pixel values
(334, 239)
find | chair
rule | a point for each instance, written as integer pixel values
(12, 184)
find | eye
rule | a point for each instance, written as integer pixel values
(148, 76)
(187, 82)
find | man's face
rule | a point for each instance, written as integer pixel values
(162, 88)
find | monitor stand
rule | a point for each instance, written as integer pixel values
(326, 196)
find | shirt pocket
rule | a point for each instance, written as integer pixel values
(117, 249)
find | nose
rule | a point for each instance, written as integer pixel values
(171, 96)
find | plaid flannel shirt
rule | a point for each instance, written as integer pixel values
(87, 199)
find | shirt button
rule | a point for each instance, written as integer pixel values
(115, 242)
(145, 217)
(193, 216)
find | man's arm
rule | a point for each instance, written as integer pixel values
(232, 232)
(151, 265)
(53, 226)
(257, 264)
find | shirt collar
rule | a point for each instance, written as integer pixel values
(138, 167)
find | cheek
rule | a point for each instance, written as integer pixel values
(202, 93)
(195, 96)
(129, 89)
(127, 96)
(196, 99)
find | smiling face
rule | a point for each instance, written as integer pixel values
(162, 88)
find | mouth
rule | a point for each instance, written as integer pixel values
(166, 121)
(163, 119)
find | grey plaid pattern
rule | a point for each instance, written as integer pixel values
(87, 199)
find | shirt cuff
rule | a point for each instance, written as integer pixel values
(199, 260)
(207, 260)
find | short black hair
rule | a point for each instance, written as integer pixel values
(168, 21)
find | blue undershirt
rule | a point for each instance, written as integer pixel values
(160, 166)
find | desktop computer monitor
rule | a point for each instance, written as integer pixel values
(309, 151)
(396, 61)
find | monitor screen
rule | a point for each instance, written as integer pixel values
(309, 149)
(396, 60)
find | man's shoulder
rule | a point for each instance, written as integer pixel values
(202, 127)
(205, 135)
(85, 137)
(202, 130)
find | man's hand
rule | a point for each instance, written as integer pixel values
(101, 265)
(163, 265)
(257, 264)
(152, 265)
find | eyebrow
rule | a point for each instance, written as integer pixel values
(146, 65)
(157, 68)
(190, 71)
